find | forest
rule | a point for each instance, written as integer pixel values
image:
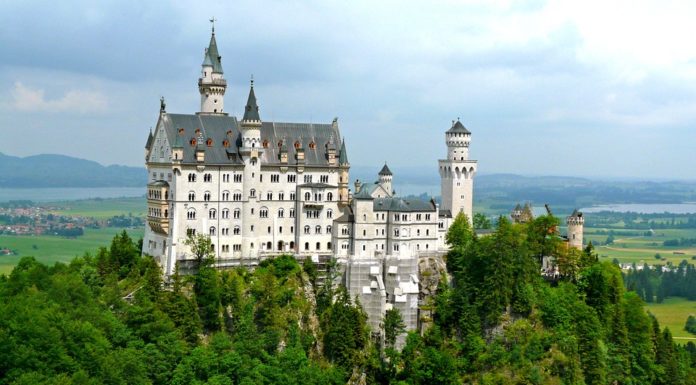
(107, 318)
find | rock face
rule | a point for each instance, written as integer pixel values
(430, 270)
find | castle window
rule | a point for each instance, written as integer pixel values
(324, 178)
(265, 143)
(193, 142)
(306, 229)
(269, 196)
(191, 196)
(344, 230)
(281, 213)
(191, 177)
(312, 145)
(236, 213)
(275, 178)
(181, 131)
(212, 214)
(237, 196)
(225, 213)
(396, 232)
(328, 245)
(297, 145)
(237, 178)
(318, 246)
(252, 193)
(307, 196)
(292, 178)
(191, 214)
(329, 197)
(306, 245)
(263, 213)
(292, 245)
(329, 213)
(190, 232)
(280, 143)
(212, 231)
(291, 214)
(292, 195)
(237, 230)
(281, 196)
(225, 195)
(268, 245)
(225, 143)
(207, 177)
(328, 229)
(206, 196)
(317, 229)
(209, 142)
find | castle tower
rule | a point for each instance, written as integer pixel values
(212, 84)
(251, 124)
(576, 224)
(343, 167)
(457, 172)
(385, 179)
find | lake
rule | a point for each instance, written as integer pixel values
(68, 193)
(645, 208)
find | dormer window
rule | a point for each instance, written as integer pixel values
(280, 144)
(312, 145)
(297, 145)
(209, 142)
(193, 142)
(225, 143)
(265, 143)
(198, 131)
(181, 131)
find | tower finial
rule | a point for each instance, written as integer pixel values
(212, 21)
(252, 80)
(163, 105)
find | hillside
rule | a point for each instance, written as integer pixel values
(48, 170)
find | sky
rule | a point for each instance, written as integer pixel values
(591, 88)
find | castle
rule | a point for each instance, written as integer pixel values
(261, 188)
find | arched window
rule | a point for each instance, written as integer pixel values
(318, 246)
(306, 245)
(329, 197)
(265, 143)
(237, 230)
(191, 196)
(306, 229)
(191, 214)
(312, 145)
(281, 213)
(269, 196)
(263, 212)
(225, 213)
(206, 196)
(237, 213)
(328, 229)
(252, 193)
(329, 213)
(212, 214)
(292, 245)
(328, 246)
(297, 145)
(269, 245)
(225, 143)
(307, 196)
(317, 229)
(212, 231)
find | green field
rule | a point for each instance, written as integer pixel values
(51, 249)
(101, 208)
(642, 249)
(672, 313)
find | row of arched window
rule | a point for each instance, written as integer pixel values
(317, 229)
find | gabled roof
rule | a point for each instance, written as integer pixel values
(385, 170)
(221, 128)
(251, 111)
(458, 127)
(363, 194)
(402, 205)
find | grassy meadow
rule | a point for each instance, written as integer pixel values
(639, 248)
(672, 313)
(50, 249)
(101, 208)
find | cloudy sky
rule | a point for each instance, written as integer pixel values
(586, 88)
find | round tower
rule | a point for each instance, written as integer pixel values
(576, 224)
(385, 179)
(212, 84)
(251, 123)
(457, 172)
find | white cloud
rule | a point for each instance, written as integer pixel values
(26, 98)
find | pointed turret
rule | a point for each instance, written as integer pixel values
(211, 84)
(251, 111)
(343, 154)
(385, 171)
(251, 123)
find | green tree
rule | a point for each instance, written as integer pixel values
(393, 326)
(481, 221)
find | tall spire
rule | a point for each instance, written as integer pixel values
(343, 154)
(251, 111)
(212, 56)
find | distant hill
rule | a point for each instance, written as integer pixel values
(64, 171)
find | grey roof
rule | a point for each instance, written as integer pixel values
(251, 111)
(458, 127)
(159, 183)
(385, 170)
(219, 128)
(445, 214)
(178, 143)
(213, 55)
(363, 194)
(402, 204)
(317, 185)
(150, 138)
(576, 213)
(343, 156)
(347, 216)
